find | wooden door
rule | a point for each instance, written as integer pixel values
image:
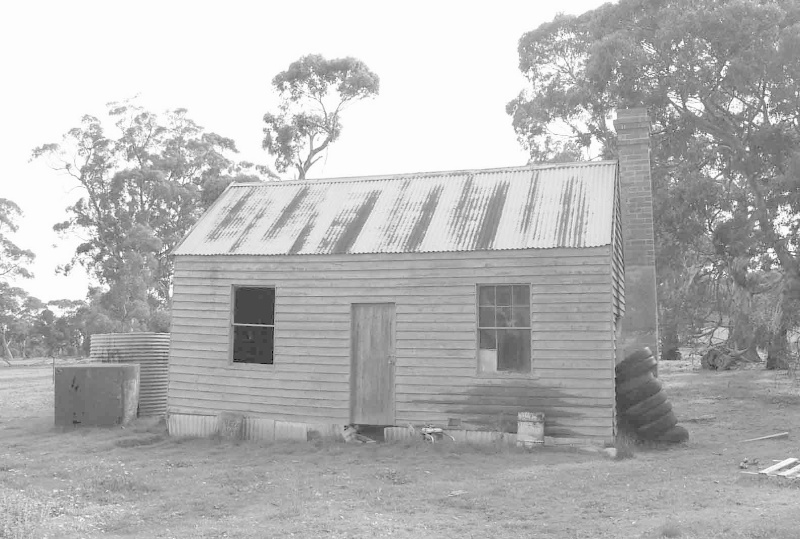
(372, 364)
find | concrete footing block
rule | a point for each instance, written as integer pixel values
(285, 430)
(395, 434)
(326, 432)
(488, 437)
(460, 435)
(259, 429)
(230, 425)
(189, 425)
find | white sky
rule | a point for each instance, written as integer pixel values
(447, 71)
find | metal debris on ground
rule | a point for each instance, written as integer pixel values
(430, 433)
(748, 462)
(789, 468)
(779, 435)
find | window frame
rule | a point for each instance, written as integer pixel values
(233, 325)
(478, 328)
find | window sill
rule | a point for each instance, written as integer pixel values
(502, 375)
(260, 367)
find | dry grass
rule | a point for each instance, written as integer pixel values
(671, 530)
(21, 516)
(136, 482)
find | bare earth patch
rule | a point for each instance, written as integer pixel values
(137, 482)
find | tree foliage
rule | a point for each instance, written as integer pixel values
(18, 311)
(720, 80)
(13, 258)
(143, 188)
(313, 92)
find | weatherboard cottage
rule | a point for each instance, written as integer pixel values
(452, 298)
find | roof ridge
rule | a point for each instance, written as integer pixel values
(429, 174)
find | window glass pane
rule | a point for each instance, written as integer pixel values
(485, 295)
(522, 294)
(486, 317)
(503, 317)
(253, 344)
(514, 350)
(503, 295)
(488, 339)
(521, 316)
(254, 306)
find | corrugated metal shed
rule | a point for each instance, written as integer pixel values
(540, 207)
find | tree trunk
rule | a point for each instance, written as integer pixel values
(778, 354)
(744, 334)
(670, 341)
(7, 355)
(778, 350)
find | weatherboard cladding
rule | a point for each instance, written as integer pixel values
(512, 208)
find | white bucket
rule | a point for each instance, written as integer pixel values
(530, 429)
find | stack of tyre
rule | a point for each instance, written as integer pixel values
(642, 403)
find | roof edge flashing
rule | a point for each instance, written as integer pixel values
(426, 174)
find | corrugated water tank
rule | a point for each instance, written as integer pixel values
(151, 352)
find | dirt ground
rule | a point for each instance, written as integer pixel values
(137, 482)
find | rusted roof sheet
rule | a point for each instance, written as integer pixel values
(511, 208)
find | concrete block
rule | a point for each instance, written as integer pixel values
(230, 425)
(94, 394)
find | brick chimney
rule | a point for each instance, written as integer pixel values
(639, 325)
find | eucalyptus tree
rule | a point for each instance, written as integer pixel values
(143, 186)
(720, 79)
(313, 92)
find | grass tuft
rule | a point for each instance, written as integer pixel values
(113, 487)
(624, 445)
(140, 441)
(20, 515)
(670, 530)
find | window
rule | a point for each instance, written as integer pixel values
(253, 325)
(504, 328)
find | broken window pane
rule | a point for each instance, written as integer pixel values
(504, 328)
(514, 350)
(487, 360)
(254, 306)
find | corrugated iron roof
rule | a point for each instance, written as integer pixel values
(511, 208)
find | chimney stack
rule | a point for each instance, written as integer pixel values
(639, 325)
